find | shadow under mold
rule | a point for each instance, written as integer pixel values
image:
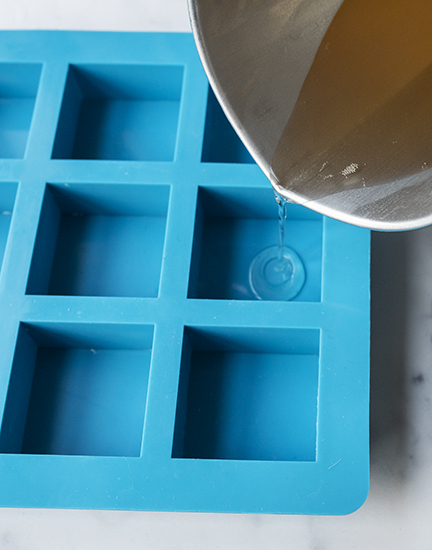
(388, 368)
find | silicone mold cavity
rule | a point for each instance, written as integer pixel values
(119, 112)
(221, 143)
(248, 394)
(100, 241)
(232, 226)
(77, 390)
(18, 89)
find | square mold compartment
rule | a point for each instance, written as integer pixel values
(119, 112)
(232, 226)
(221, 143)
(7, 200)
(248, 394)
(19, 84)
(100, 240)
(78, 389)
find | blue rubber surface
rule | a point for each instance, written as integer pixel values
(137, 371)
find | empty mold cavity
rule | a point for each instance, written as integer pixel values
(100, 240)
(78, 389)
(248, 394)
(7, 200)
(232, 226)
(19, 84)
(221, 143)
(119, 112)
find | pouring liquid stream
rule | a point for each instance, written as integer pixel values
(277, 272)
(282, 222)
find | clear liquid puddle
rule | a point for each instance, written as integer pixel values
(277, 273)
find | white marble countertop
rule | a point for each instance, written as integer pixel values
(397, 512)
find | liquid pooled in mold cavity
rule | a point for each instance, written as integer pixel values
(277, 272)
(364, 114)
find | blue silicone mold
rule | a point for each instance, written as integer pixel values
(136, 369)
